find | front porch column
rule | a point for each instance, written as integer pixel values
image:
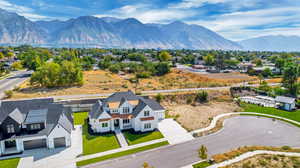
(112, 124)
(2, 147)
(19, 145)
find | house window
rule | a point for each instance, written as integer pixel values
(104, 125)
(10, 129)
(126, 110)
(126, 121)
(146, 113)
(147, 126)
(115, 111)
(35, 126)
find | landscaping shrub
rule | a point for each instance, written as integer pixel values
(202, 97)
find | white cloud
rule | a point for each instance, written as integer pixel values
(146, 14)
(185, 4)
(21, 10)
(237, 25)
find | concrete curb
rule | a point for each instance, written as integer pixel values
(250, 154)
(215, 120)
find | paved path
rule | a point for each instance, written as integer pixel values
(173, 131)
(12, 81)
(238, 131)
(122, 141)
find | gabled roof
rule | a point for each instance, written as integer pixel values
(154, 105)
(117, 97)
(36, 116)
(17, 116)
(283, 99)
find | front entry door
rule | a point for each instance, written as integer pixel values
(117, 123)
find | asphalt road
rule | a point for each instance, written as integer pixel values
(237, 131)
(12, 81)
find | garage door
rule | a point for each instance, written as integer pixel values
(33, 144)
(59, 142)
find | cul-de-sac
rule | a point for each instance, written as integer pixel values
(149, 84)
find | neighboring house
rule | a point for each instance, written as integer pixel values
(286, 103)
(125, 110)
(36, 123)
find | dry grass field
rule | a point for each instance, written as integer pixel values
(195, 117)
(268, 161)
(105, 82)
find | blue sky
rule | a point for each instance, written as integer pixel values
(234, 19)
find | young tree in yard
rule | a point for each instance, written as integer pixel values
(164, 56)
(146, 165)
(290, 79)
(279, 63)
(202, 152)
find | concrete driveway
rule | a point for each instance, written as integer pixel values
(55, 158)
(238, 131)
(173, 131)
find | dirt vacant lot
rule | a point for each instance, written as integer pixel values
(268, 161)
(99, 81)
(200, 116)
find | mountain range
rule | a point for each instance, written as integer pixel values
(109, 32)
(272, 43)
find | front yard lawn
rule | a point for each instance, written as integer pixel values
(294, 115)
(9, 163)
(136, 138)
(94, 143)
(120, 154)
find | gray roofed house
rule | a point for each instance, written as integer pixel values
(40, 119)
(125, 110)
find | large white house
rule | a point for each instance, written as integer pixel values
(125, 110)
(36, 123)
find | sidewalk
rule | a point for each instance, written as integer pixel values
(122, 141)
(119, 150)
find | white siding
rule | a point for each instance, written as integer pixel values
(58, 132)
(139, 125)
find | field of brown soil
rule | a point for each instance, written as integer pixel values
(199, 116)
(268, 161)
(105, 82)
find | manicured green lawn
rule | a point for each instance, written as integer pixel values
(80, 117)
(94, 143)
(201, 165)
(294, 115)
(119, 154)
(136, 138)
(9, 163)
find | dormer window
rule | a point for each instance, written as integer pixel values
(10, 129)
(35, 126)
(114, 110)
(126, 110)
(146, 113)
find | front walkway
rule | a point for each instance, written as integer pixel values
(173, 131)
(122, 141)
